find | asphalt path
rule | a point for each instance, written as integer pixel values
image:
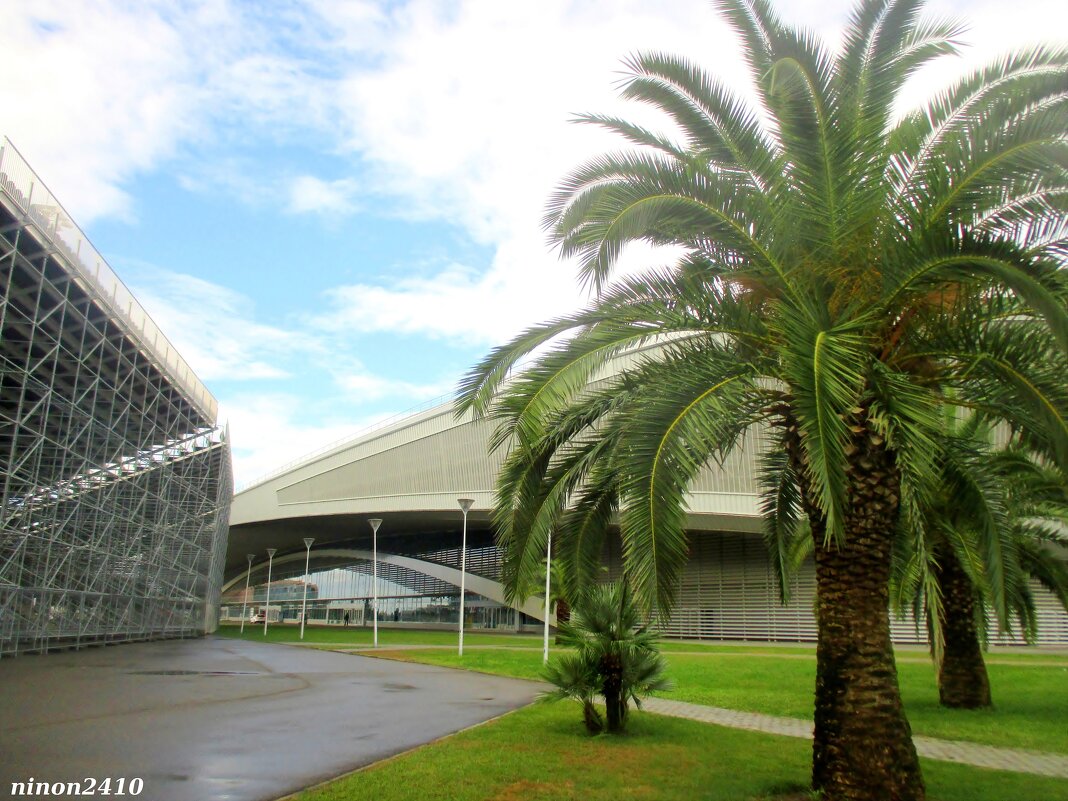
(217, 719)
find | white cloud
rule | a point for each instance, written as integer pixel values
(97, 91)
(452, 110)
(525, 285)
(366, 386)
(466, 113)
(459, 107)
(215, 328)
(454, 303)
(268, 431)
(464, 116)
(308, 194)
(217, 332)
(482, 142)
(106, 98)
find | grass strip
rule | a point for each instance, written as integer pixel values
(1030, 711)
(541, 753)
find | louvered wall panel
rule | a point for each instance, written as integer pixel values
(1052, 620)
(728, 591)
(739, 470)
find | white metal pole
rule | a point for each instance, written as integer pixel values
(304, 606)
(244, 599)
(267, 609)
(375, 523)
(465, 505)
(548, 572)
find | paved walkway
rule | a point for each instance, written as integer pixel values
(1017, 760)
(225, 720)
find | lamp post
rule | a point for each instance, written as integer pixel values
(465, 505)
(375, 523)
(267, 609)
(548, 569)
(307, 561)
(244, 599)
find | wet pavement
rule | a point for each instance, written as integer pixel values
(218, 719)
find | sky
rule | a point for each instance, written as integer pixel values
(332, 208)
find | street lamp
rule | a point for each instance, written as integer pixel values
(375, 523)
(465, 505)
(304, 606)
(244, 600)
(548, 569)
(267, 609)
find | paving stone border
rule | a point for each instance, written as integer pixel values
(1017, 760)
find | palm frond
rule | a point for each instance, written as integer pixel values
(691, 415)
(786, 534)
(824, 366)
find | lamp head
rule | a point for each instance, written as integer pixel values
(308, 542)
(271, 552)
(250, 557)
(375, 523)
(465, 504)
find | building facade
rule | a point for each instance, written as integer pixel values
(411, 473)
(116, 476)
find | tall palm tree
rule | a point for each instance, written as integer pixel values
(987, 528)
(844, 274)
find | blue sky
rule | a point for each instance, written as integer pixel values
(332, 208)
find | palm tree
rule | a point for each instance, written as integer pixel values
(844, 275)
(615, 657)
(985, 534)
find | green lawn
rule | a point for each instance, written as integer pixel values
(541, 753)
(1031, 701)
(1030, 689)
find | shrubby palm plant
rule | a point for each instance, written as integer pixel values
(845, 275)
(615, 657)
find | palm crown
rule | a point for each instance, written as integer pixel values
(846, 273)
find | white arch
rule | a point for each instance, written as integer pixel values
(488, 588)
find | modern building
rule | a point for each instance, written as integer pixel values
(410, 473)
(115, 474)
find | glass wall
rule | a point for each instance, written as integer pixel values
(345, 595)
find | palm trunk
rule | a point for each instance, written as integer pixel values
(962, 678)
(612, 689)
(591, 717)
(862, 746)
(563, 615)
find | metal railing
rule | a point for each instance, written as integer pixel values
(28, 192)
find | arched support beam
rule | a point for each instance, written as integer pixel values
(488, 588)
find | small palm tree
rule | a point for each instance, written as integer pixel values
(615, 657)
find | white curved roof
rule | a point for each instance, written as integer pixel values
(413, 471)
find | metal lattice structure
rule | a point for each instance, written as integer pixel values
(116, 478)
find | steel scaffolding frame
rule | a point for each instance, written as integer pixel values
(116, 479)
